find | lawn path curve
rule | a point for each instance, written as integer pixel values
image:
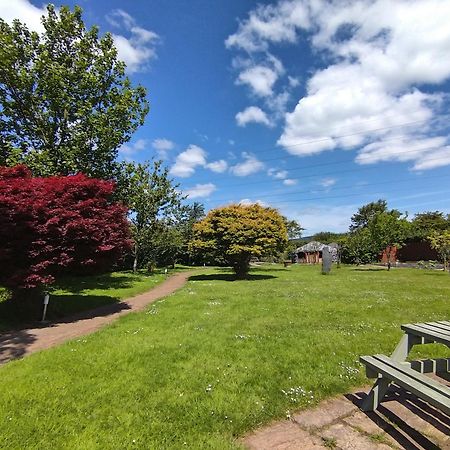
(18, 343)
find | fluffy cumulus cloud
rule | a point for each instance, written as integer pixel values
(252, 114)
(23, 10)
(163, 145)
(218, 166)
(200, 190)
(138, 48)
(282, 175)
(194, 156)
(369, 94)
(187, 161)
(130, 150)
(249, 166)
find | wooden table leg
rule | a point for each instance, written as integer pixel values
(375, 395)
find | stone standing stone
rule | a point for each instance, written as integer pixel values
(327, 259)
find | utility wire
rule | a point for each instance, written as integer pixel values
(349, 186)
(381, 183)
(333, 173)
(356, 133)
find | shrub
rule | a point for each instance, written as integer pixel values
(50, 226)
(237, 233)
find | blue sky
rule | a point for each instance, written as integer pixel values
(313, 107)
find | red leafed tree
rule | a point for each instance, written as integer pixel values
(56, 225)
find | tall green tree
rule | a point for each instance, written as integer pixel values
(388, 232)
(151, 196)
(427, 222)
(294, 229)
(66, 105)
(368, 212)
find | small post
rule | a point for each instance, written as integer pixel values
(46, 300)
(165, 271)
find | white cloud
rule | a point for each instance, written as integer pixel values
(250, 166)
(130, 150)
(259, 78)
(23, 10)
(327, 182)
(200, 190)
(136, 50)
(194, 156)
(187, 161)
(219, 166)
(252, 114)
(433, 159)
(290, 182)
(162, 144)
(322, 218)
(380, 54)
(293, 82)
(270, 24)
(248, 202)
(277, 174)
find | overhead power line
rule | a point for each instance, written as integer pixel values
(350, 186)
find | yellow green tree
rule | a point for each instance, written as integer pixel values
(237, 233)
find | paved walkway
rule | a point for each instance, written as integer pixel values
(18, 343)
(402, 421)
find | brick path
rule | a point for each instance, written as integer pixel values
(401, 422)
(18, 343)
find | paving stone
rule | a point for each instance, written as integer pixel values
(283, 436)
(326, 413)
(346, 438)
(361, 421)
(420, 420)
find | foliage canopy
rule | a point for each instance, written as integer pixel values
(238, 232)
(55, 225)
(66, 105)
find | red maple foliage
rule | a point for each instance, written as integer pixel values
(61, 224)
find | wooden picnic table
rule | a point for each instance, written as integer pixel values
(409, 374)
(421, 333)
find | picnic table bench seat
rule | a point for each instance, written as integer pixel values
(389, 370)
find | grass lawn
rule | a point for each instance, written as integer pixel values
(205, 365)
(74, 294)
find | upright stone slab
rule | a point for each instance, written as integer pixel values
(327, 260)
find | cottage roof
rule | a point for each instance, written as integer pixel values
(315, 246)
(310, 247)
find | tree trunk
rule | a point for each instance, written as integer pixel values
(135, 262)
(241, 267)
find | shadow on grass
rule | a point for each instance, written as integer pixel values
(406, 435)
(229, 277)
(62, 305)
(78, 284)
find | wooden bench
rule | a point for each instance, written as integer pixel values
(388, 371)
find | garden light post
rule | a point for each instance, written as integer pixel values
(46, 300)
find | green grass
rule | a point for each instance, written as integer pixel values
(75, 294)
(220, 357)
